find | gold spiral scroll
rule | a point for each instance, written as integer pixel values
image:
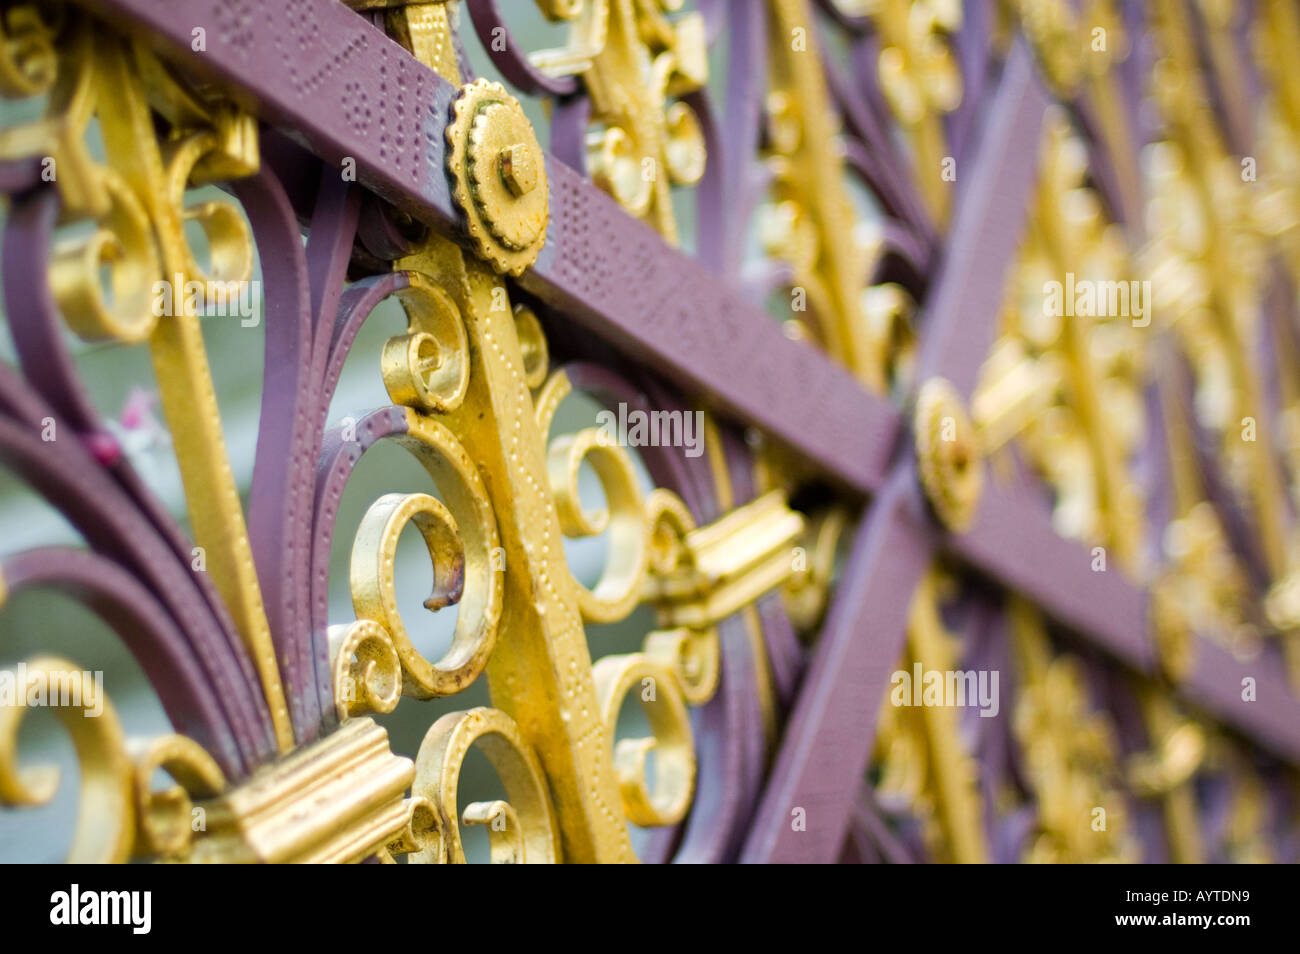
(618, 591)
(165, 817)
(367, 672)
(661, 698)
(105, 813)
(28, 61)
(529, 833)
(428, 367)
(230, 243)
(462, 550)
(122, 245)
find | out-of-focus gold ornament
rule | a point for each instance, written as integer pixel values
(948, 455)
(1171, 630)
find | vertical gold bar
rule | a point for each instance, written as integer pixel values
(185, 383)
(540, 670)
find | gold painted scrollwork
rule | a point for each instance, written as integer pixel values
(660, 695)
(124, 245)
(128, 271)
(367, 673)
(1166, 771)
(807, 592)
(119, 813)
(646, 59)
(28, 60)
(693, 653)
(618, 591)
(921, 81)
(229, 242)
(164, 818)
(680, 666)
(427, 368)
(925, 770)
(522, 829)
(1070, 754)
(1069, 385)
(423, 833)
(462, 551)
(138, 202)
(106, 812)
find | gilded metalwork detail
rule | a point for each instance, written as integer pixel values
(1166, 770)
(618, 591)
(1067, 380)
(949, 462)
(105, 829)
(461, 550)
(1070, 752)
(339, 799)
(924, 767)
(807, 221)
(640, 143)
(729, 563)
(499, 176)
(660, 693)
(841, 190)
(524, 829)
(541, 677)
(920, 79)
(136, 200)
(366, 670)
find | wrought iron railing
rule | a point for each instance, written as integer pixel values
(943, 367)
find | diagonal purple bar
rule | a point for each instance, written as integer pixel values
(1269, 714)
(1013, 542)
(829, 739)
(994, 192)
(830, 734)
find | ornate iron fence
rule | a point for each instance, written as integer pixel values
(946, 365)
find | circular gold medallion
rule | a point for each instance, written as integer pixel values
(498, 174)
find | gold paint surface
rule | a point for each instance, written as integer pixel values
(339, 799)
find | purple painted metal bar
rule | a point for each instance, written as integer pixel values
(830, 734)
(828, 741)
(1013, 541)
(966, 299)
(1016, 544)
(346, 89)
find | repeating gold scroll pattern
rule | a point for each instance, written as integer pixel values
(924, 767)
(1071, 754)
(920, 80)
(126, 218)
(120, 814)
(1216, 227)
(479, 403)
(1066, 383)
(135, 201)
(807, 220)
(643, 138)
(1066, 375)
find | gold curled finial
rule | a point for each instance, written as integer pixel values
(498, 174)
(948, 454)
